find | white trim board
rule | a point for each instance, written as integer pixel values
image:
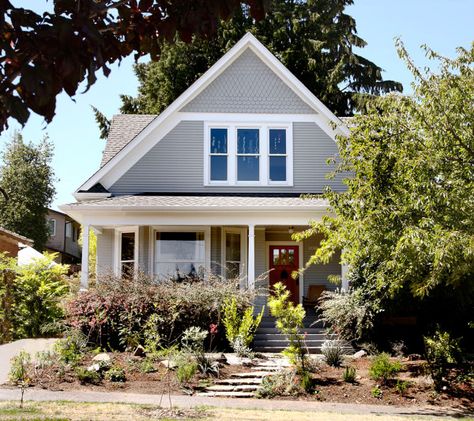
(169, 118)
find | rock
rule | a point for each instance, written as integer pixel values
(139, 352)
(94, 367)
(360, 354)
(414, 357)
(168, 363)
(102, 357)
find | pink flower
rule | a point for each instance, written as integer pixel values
(213, 328)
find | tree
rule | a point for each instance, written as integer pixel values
(313, 38)
(406, 222)
(27, 178)
(45, 53)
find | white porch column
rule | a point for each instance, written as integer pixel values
(251, 258)
(85, 258)
(345, 281)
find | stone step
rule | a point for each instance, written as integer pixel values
(227, 394)
(274, 330)
(251, 374)
(232, 388)
(234, 381)
(271, 369)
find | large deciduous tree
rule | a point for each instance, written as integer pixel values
(406, 221)
(315, 39)
(27, 178)
(43, 53)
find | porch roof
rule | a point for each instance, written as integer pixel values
(197, 203)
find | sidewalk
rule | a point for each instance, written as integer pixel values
(182, 401)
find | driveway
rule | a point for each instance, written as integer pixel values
(8, 351)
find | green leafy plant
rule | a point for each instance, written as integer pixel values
(333, 352)
(383, 369)
(152, 338)
(86, 376)
(289, 321)
(19, 372)
(377, 392)
(240, 327)
(71, 348)
(442, 352)
(349, 374)
(401, 387)
(116, 374)
(186, 367)
(147, 366)
(285, 383)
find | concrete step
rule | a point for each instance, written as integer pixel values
(233, 388)
(227, 394)
(274, 330)
(252, 374)
(234, 381)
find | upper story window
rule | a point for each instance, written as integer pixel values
(251, 155)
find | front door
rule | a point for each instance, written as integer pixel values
(284, 260)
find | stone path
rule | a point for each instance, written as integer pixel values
(8, 351)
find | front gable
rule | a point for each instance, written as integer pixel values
(248, 85)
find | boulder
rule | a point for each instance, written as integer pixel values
(168, 363)
(360, 354)
(139, 352)
(94, 367)
(102, 357)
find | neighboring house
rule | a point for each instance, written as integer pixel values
(63, 237)
(11, 242)
(214, 182)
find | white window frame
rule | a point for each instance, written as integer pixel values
(52, 234)
(264, 157)
(243, 249)
(285, 155)
(180, 228)
(118, 249)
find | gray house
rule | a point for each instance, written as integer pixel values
(214, 182)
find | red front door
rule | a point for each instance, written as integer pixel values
(284, 260)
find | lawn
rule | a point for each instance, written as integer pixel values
(62, 410)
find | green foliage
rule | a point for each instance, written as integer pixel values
(285, 383)
(193, 340)
(406, 221)
(186, 368)
(71, 348)
(19, 369)
(28, 179)
(115, 374)
(333, 352)
(315, 39)
(442, 352)
(152, 338)
(349, 374)
(377, 392)
(86, 376)
(240, 327)
(147, 366)
(31, 297)
(116, 310)
(401, 387)
(382, 369)
(289, 321)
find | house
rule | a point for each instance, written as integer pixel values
(63, 237)
(11, 242)
(214, 182)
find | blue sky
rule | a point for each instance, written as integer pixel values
(441, 24)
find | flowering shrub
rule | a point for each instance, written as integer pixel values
(115, 312)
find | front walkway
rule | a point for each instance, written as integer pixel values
(183, 401)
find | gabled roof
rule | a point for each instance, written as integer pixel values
(128, 152)
(123, 128)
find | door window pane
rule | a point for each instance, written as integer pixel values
(278, 168)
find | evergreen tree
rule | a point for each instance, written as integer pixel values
(27, 178)
(314, 39)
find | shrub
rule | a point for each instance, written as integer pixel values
(382, 369)
(289, 321)
(116, 310)
(333, 352)
(348, 314)
(349, 374)
(240, 326)
(152, 338)
(71, 348)
(115, 374)
(442, 352)
(285, 383)
(377, 392)
(193, 340)
(147, 366)
(86, 376)
(19, 372)
(401, 387)
(186, 368)
(30, 297)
